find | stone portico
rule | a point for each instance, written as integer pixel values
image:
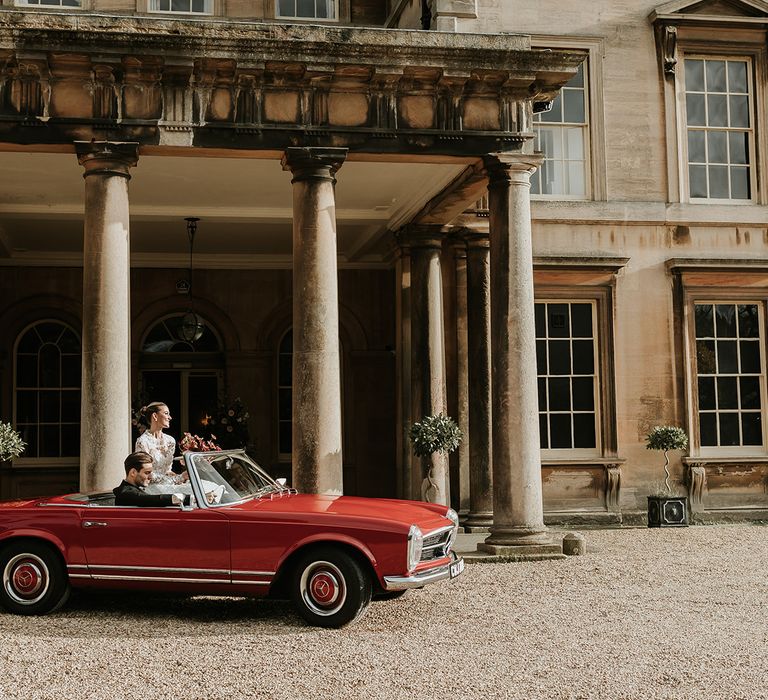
(113, 93)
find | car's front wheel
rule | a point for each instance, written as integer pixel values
(34, 581)
(329, 587)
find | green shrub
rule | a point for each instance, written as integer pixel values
(434, 434)
(667, 437)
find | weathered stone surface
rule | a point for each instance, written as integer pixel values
(574, 544)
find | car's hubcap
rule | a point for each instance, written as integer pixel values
(25, 578)
(323, 588)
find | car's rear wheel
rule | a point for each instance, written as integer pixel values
(329, 587)
(33, 578)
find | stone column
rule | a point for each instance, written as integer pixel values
(479, 325)
(105, 416)
(317, 440)
(428, 350)
(460, 475)
(518, 518)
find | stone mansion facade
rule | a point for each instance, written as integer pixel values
(548, 220)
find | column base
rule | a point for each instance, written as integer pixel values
(504, 553)
(478, 522)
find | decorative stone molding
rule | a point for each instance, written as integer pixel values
(612, 487)
(697, 486)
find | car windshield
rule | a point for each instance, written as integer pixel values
(227, 478)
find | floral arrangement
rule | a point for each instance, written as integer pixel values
(435, 434)
(195, 443)
(231, 423)
(666, 437)
(11, 444)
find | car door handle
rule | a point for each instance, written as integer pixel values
(94, 523)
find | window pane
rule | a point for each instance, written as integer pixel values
(578, 79)
(749, 354)
(69, 343)
(739, 105)
(576, 183)
(718, 182)
(550, 139)
(49, 331)
(705, 327)
(541, 324)
(26, 407)
(694, 75)
(573, 105)
(697, 176)
(726, 357)
(70, 406)
(749, 388)
(574, 143)
(696, 147)
(581, 320)
(556, 113)
(198, 6)
(726, 393)
(305, 8)
(729, 429)
(726, 320)
(715, 76)
(543, 432)
(748, 324)
(740, 183)
(717, 110)
(752, 428)
(708, 429)
(559, 394)
(49, 407)
(26, 370)
(542, 394)
(49, 441)
(285, 404)
(737, 76)
(717, 143)
(29, 435)
(70, 440)
(49, 366)
(705, 356)
(557, 320)
(584, 430)
(695, 110)
(541, 357)
(286, 8)
(559, 357)
(285, 370)
(30, 342)
(560, 431)
(284, 438)
(322, 9)
(738, 146)
(583, 394)
(583, 357)
(706, 393)
(180, 5)
(70, 370)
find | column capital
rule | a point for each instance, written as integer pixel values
(107, 157)
(313, 163)
(421, 236)
(507, 168)
(477, 239)
(457, 242)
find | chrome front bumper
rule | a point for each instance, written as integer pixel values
(440, 573)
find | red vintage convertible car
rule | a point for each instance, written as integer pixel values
(245, 534)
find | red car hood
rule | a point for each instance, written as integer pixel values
(338, 509)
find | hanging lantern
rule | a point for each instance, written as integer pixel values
(192, 326)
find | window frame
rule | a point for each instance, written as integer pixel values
(595, 149)
(579, 452)
(721, 295)
(38, 461)
(343, 14)
(682, 118)
(569, 280)
(84, 5)
(210, 11)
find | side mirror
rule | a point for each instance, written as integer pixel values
(281, 481)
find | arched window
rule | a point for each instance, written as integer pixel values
(47, 368)
(168, 335)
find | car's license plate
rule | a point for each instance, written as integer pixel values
(456, 568)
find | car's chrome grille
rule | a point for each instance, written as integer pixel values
(436, 545)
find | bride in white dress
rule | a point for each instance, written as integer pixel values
(158, 445)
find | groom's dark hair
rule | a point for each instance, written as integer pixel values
(136, 460)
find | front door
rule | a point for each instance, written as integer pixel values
(156, 545)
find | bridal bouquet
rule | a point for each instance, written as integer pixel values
(195, 443)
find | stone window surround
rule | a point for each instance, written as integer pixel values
(45, 462)
(587, 279)
(215, 7)
(343, 9)
(595, 147)
(714, 281)
(710, 41)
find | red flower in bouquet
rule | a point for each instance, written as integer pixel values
(194, 443)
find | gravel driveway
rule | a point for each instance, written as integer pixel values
(645, 614)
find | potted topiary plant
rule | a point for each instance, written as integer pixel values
(11, 444)
(665, 510)
(433, 438)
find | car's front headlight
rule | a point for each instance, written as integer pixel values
(453, 516)
(415, 543)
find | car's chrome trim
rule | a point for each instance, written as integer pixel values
(79, 576)
(77, 566)
(164, 579)
(439, 531)
(252, 583)
(417, 580)
(253, 573)
(159, 568)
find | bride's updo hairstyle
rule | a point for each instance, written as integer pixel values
(148, 411)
